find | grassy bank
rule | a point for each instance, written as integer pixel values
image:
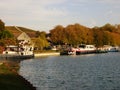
(9, 78)
(45, 51)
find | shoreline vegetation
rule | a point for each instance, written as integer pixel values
(58, 38)
(10, 79)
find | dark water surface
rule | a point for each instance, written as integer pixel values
(83, 72)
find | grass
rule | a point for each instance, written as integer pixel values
(9, 78)
(45, 51)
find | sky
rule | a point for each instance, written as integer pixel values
(44, 15)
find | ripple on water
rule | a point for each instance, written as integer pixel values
(86, 72)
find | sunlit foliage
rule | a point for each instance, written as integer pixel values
(40, 41)
(78, 34)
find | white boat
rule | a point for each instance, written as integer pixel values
(72, 51)
(68, 51)
(111, 48)
(15, 52)
(85, 49)
(81, 49)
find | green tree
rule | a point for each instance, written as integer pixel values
(5, 34)
(37, 34)
(42, 35)
(2, 25)
(40, 43)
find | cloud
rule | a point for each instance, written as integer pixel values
(99, 1)
(109, 12)
(110, 1)
(32, 13)
(93, 23)
(17, 5)
(47, 2)
(44, 14)
(28, 10)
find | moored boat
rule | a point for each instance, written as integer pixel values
(81, 49)
(111, 48)
(85, 49)
(15, 52)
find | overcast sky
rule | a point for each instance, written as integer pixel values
(44, 15)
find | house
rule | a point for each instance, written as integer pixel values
(22, 36)
(23, 39)
(20, 33)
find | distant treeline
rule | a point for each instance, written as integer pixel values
(72, 34)
(78, 34)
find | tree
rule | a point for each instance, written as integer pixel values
(103, 35)
(109, 27)
(89, 37)
(78, 34)
(72, 34)
(6, 38)
(40, 43)
(117, 26)
(42, 35)
(57, 35)
(98, 37)
(2, 25)
(37, 34)
(107, 38)
(8, 41)
(5, 34)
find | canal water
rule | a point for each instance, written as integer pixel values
(82, 72)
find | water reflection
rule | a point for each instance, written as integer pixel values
(86, 72)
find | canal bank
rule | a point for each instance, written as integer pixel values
(10, 79)
(9, 75)
(46, 54)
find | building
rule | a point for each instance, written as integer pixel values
(23, 39)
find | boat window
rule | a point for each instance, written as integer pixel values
(81, 46)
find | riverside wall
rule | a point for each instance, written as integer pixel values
(46, 54)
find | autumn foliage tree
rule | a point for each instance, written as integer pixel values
(58, 35)
(72, 34)
(78, 34)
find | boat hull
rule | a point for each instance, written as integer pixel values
(85, 52)
(16, 57)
